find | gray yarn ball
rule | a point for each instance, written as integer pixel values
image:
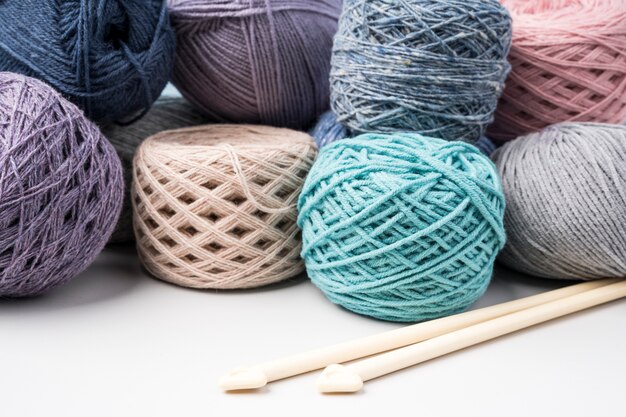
(167, 113)
(565, 190)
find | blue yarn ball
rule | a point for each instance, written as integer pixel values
(486, 145)
(401, 227)
(111, 58)
(436, 67)
(329, 130)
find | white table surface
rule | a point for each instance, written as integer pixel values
(116, 342)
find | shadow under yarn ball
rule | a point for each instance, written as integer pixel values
(61, 188)
(428, 66)
(111, 58)
(565, 188)
(255, 61)
(401, 227)
(215, 205)
(167, 113)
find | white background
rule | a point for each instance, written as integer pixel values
(116, 342)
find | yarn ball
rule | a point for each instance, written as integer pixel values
(255, 61)
(215, 205)
(111, 58)
(569, 64)
(60, 188)
(429, 66)
(401, 227)
(565, 188)
(167, 113)
(328, 130)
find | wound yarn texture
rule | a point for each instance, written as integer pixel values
(436, 67)
(401, 227)
(166, 114)
(565, 188)
(569, 64)
(255, 61)
(112, 58)
(61, 188)
(329, 130)
(215, 205)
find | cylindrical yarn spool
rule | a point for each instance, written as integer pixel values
(565, 188)
(112, 58)
(166, 114)
(569, 64)
(328, 130)
(215, 205)
(401, 227)
(60, 188)
(255, 61)
(428, 66)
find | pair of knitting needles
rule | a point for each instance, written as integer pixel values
(421, 342)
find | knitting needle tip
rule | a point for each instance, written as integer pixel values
(338, 378)
(243, 378)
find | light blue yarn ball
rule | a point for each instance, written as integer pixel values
(401, 227)
(436, 67)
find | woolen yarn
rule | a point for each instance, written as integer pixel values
(60, 188)
(401, 227)
(568, 62)
(430, 66)
(166, 114)
(565, 188)
(110, 57)
(255, 61)
(215, 205)
(328, 130)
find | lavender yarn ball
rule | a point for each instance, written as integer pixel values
(167, 113)
(255, 61)
(61, 188)
(112, 58)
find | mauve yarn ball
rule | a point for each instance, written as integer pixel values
(61, 188)
(255, 61)
(565, 190)
(167, 113)
(112, 58)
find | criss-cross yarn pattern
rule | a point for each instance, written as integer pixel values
(255, 61)
(565, 188)
(215, 205)
(569, 64)
(401, 227)
(166, 114)
(436, 67)
(60, 188)
(110, 57)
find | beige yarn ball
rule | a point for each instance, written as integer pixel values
(215, 205)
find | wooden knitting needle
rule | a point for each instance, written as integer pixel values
(259, 375)
(350, 378)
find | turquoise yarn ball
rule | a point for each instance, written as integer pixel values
(401, 227)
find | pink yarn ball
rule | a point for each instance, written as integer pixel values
(568, 62)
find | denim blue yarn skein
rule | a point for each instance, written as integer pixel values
(436, 67)
(112, 58)
(328, 130)
(401, 227)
